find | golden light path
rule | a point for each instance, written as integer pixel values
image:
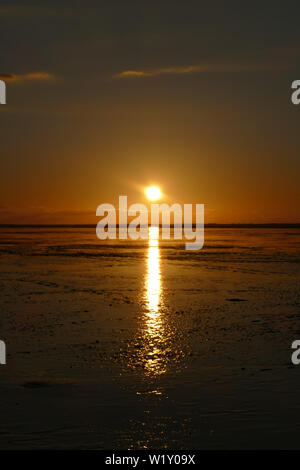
(154, 331)
(153, 271)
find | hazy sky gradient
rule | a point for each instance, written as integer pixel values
(104, 98)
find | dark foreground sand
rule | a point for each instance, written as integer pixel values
(137, 345)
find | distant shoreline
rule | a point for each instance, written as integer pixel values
(210, 225)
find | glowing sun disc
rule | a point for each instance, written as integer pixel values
(153, 193)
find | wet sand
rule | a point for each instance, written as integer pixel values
(143, 345)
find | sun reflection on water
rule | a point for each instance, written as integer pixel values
(153, 280)
(155, 350)
(154, 327)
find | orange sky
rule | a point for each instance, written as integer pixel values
(124, 96)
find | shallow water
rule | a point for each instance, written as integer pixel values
(146, 345)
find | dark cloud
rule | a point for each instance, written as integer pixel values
(13, 77)
(190, 69)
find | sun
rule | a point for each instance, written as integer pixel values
(153, 193)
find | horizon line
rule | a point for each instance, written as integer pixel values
(206, 225)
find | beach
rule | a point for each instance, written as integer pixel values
(144, 345)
